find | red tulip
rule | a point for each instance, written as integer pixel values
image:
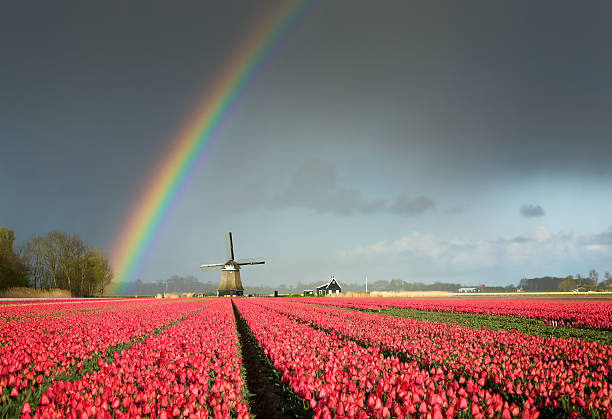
(25, 409)
(423, 407)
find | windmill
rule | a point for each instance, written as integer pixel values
(230, 271)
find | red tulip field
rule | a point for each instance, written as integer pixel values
(317, 358)
(595, 314)
(122, 359)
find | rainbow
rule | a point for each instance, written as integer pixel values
(195, 139)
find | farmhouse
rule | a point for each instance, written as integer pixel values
(469, 289)
(331, 287)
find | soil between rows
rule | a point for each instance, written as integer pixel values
(264, 400)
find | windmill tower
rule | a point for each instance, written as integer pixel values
(230, 271)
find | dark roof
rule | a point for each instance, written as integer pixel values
(328, 285)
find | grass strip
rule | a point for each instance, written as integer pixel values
(527, 326)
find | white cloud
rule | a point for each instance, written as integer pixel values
(539, 243)
(316, 185)
(443, 251)
(459, 254)
(602, 248)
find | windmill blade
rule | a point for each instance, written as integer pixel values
(212, 267)
(229, 246)
(251, 261)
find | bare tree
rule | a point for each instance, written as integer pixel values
(593, 277)
(61, 260)
(33, 252)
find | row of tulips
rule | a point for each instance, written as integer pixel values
(583, 313)
(557, 375)
(40, 342)
(13, 302)
(190, 369)
(22, 311)
(340, 378)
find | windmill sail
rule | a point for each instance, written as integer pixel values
(211, 267)
(229, 246)
(250, 261)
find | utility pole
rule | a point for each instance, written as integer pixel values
(366, 283)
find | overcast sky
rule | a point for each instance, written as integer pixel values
(428, 141)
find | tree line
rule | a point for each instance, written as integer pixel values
(569, 283)
(175, 284)
(54, 260)
(181, 284)
(590, 282)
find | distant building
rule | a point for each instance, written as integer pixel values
(308, 292)
(545, 283)
(469, 289)
(580, 289)
(230, 271)
(331, 287)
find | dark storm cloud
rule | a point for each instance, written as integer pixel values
(405, 205)
(91, 94)
(481, 87)
(316, 185)
(455, 210)
(501, 88)
(531, 210)
(604, 238)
